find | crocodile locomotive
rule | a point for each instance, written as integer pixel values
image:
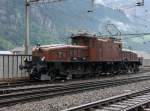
(88, 56)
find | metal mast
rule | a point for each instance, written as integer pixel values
(26, 44)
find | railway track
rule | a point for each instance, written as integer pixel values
(14, 96)
(23, 83)
(131, 101)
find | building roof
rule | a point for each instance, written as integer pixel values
(20, 49)
(6, 52)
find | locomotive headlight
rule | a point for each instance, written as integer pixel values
(74, 58)
(83, 58)
(38, 46)
(43, 59)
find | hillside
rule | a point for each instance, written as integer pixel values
(53, 23)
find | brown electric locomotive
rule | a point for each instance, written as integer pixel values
(88, 56)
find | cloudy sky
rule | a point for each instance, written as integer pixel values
(128, 6)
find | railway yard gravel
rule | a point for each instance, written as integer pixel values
(61, 102)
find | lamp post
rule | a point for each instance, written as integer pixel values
(26, 44)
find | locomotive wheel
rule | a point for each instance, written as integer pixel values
(52, 76)
(69, 77)
(129, 70)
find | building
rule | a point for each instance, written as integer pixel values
(20, 50)
(6, 52)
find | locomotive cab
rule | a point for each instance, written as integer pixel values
(81, 39)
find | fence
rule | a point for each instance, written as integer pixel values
(9, 67)
(146, 62)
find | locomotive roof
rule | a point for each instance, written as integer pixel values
(128, 50)
(53, 45)
(60, 46)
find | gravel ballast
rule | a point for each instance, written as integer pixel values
(62, 102)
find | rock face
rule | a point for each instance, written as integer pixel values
(54, 22)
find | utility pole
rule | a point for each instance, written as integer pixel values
(26, 43)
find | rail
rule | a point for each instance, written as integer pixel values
(122, 102)
(11, 96)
